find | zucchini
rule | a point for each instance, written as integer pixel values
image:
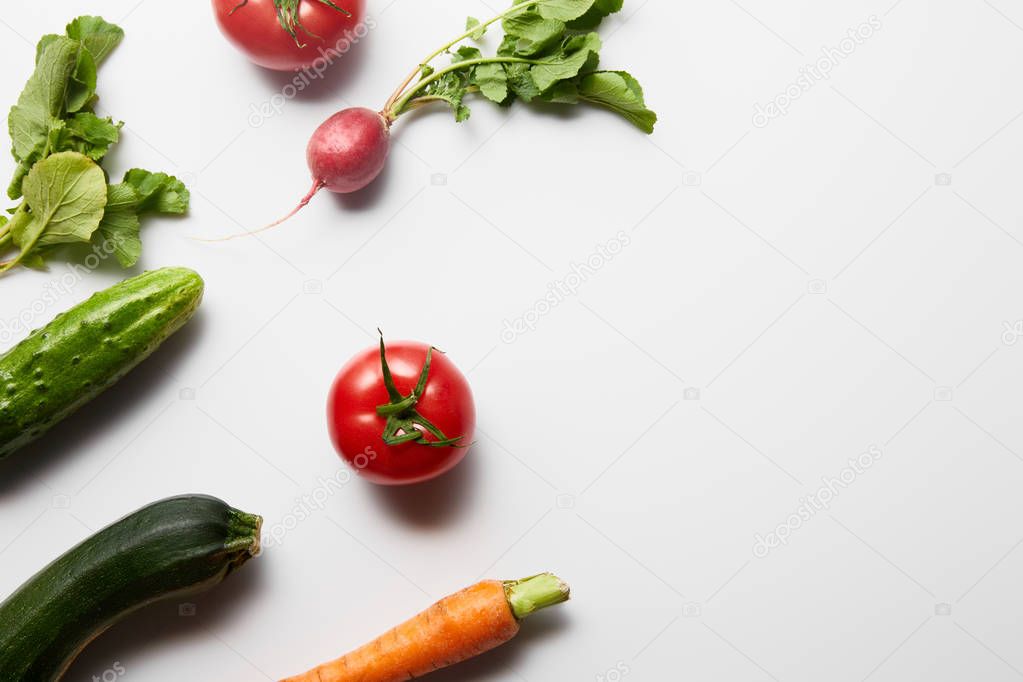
(171, 548)
(70, 361)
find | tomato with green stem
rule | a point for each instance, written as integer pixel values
(288, 35)
(401, 414)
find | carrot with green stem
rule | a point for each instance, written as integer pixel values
(455, 629)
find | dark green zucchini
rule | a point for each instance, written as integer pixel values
(172, 548)
(70, 361)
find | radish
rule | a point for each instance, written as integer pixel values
(548, 54)
(348, 151)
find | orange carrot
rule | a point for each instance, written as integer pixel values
(456, 628)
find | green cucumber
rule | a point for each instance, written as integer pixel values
(171, 548)
(70, 361)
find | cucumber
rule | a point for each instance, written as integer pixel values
(70, 361)
(172, 548)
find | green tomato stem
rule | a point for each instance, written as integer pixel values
(404, 423)
(399, 407)
(288, 14)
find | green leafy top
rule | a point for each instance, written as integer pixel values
(140, 192)
(548, 53)
(57, 140)
(67, 193)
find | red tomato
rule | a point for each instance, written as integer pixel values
(255, 28)
(358, 429)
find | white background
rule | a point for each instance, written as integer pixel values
(812, 282)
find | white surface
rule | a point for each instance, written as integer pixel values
(730, 226)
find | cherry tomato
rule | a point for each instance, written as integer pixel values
(254, 27)
(430, 408)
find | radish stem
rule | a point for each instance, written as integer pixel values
(388, 107)
(399, 107)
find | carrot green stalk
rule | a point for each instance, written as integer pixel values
(456, 628)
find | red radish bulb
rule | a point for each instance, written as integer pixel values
(348, 151)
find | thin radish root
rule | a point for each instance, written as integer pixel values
(317, 186)
(346, 153)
